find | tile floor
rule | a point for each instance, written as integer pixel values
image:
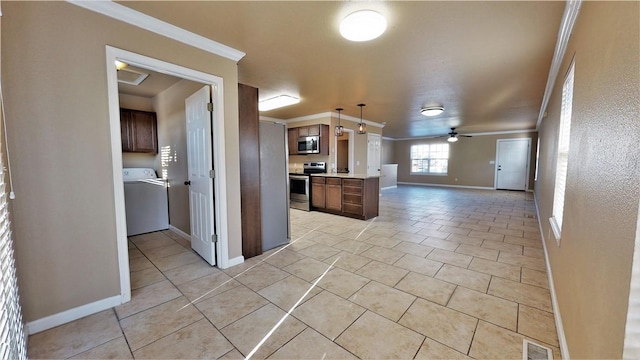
(441, 273)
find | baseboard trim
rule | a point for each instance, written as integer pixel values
(389, 187)
(235, 261)
(447, 185)
(51, 321)
(182, 234)
(564, 349)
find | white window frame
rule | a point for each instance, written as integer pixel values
(429, 159)
(562, 159)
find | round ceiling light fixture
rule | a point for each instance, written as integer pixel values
(432, 110)
(363, 25)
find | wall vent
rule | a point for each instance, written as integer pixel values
(533, 351)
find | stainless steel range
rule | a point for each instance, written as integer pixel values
(299, 185)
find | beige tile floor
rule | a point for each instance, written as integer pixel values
(441, 273)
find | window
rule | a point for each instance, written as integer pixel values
(429, 158)
(563, 154)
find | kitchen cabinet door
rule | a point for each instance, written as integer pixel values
(334, 196)
(292, 139)
(125, 130)
(318, 195)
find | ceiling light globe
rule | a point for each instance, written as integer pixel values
(452, 139)
(363, 25)
(432, 110)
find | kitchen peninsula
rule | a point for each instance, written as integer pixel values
(352, 195)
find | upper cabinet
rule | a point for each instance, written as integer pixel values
(138, 130)
(320, 130)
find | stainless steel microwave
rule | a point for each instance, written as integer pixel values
(309, 145)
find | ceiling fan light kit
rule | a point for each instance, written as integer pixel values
(432, 110)
(452, 138)
(362, 127)
(363, 25)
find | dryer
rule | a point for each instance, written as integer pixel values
(146, 201)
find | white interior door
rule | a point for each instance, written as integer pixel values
(200, 166)
(374, 149)
(512, 164)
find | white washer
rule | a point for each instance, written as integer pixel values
(146, 201)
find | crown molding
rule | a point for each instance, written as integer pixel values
(470, 134)
(571, 10)
(331, 114)
(146, 22)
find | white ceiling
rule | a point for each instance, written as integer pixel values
(487, 63)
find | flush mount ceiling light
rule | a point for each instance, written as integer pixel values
(277, 102)
(339, 129)
(432, 110)
(363, 25)
(121, 65)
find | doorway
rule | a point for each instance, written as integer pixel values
(343, 152)
(219, 183)
(512, 164)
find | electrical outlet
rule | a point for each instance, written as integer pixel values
(357, 162)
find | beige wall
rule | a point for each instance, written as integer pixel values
(388, 152)
(59, 137)
(592, 266)
(172, 140)
(143, 104)
(468, 160)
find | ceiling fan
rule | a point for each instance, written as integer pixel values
(453, 135)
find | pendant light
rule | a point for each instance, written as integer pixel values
(362, 127)
(339, 128)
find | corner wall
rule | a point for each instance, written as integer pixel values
(592, 266)
(58, 127)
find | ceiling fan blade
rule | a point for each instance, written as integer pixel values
(465, 135)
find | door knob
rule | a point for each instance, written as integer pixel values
(187, 182)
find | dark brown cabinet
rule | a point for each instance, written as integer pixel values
(138, 131)
(311, 130)
(358, 198)
(292, 140)
(333, 200)
(318, 190)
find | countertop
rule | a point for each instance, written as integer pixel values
(346, 176)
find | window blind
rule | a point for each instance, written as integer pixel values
(563, 151)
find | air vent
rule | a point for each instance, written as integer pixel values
(533, 351)
(131, 77)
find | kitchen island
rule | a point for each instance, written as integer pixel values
(352, 195)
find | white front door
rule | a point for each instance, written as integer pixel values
(374, 149)
(200, 167)
(512, 164)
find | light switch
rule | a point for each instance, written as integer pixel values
(491, 162)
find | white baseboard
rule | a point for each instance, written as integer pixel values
(235, 261)
(447, 185)
(66, 316)
(389, 187)
(180, 232)
(564, 349)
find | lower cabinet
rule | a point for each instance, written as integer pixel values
(358, 198)
(318, 192)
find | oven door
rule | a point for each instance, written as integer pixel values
(299, 192)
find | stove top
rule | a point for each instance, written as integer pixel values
(315, 167)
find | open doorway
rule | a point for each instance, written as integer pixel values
(343, 152)
(218, 150)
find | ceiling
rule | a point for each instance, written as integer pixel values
(487, 63)
(154, 84)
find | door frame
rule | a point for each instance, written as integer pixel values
(218, 145)
(351, 149)
(379, 138)
(495, 171)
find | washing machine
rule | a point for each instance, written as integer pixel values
(146, 201)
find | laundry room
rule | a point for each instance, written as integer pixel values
(154, 144)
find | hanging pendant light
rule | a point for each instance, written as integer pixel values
(362, 127)
(339, 129)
